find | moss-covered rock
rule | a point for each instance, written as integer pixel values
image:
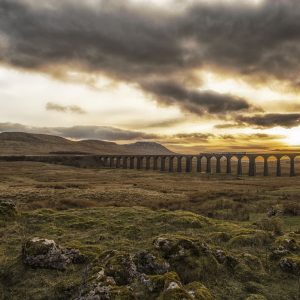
(175, 292)
(101, 286)
(149, 264)
(278, 253)
(122, 268)
(173, 246)
(191, 259)
(44, 253)
(199, 291)
(290, 265)
(155, 284)
(287, 243)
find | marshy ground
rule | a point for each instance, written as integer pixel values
(253, 222)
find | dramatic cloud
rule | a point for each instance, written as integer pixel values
(271, 120)
(62, 108)
(135, 42)
(198, 102)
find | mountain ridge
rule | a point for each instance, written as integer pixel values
(22, 143)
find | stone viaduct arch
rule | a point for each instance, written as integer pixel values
(172, 163)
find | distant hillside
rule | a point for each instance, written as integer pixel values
(20, 143)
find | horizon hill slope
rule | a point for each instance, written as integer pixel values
(20, 143)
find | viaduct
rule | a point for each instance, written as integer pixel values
(172, 163)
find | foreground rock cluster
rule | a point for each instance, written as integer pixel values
(44, 253)
(141, 276)
(218, 261)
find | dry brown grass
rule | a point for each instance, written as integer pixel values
(38, 185)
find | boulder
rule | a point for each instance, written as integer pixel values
(105, 288)
(290, 265)
(190, 258)
(198, 291)
(289, 244)
(177, 247)
(122, 268)
(44, 253)
(149, 264)
(278, 253)
(155, 284)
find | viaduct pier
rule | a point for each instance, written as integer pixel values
(237, 163)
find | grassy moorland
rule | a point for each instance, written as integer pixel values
(217, 237)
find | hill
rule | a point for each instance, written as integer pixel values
(20, 143)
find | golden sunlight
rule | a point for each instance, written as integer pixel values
(293, 137)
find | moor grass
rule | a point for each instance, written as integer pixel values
(124, 210)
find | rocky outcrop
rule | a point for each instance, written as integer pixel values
(140, 276)
(44, 253)
(149, 264)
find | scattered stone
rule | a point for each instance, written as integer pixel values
(105, 288)
(290, 244)
(198, 291)
(157, 283)
(149, 264)
(122, 268)
(290, 265)
(177, 247)
(44, 253)
(278, 253)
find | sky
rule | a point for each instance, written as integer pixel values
(194, 75)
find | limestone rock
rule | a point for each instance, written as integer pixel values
(122, 268)
(105, 288)
(278, 253)
(290, 265)
(44, 253)
(149, 264)
(176, 247)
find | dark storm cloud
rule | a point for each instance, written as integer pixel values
(80, 132)
(271, 120)
(136, 43)
(50, 106)
(198, 102)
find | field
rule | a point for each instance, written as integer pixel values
(246, 231)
